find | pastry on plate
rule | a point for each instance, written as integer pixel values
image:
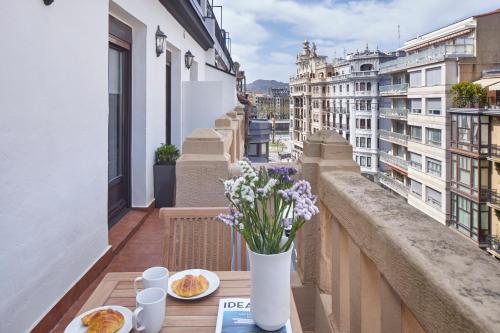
(190, 285)
(103, 321)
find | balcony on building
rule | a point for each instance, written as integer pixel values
(393, 184)
(394, 161)
(393, 137)
(469, 149)
(394, 113)
(400, 89)
(429, 55)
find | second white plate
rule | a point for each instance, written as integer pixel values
(213, 282)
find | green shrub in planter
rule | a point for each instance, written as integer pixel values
(166, 154)
(468, 95)
(164, 175)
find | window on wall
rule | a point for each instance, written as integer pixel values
(416, 105)
(416, 79)
(363, 142)
(340, 88)
(434, 106)
(347, 87)
(433, 197)
(433, 76)
(363, 123)
(416, 188)
(433, 167)
(364, 161)
(416, 133)
(368, 86)
(470, 218)
(362, 86)
(434, 136)
(416, 161)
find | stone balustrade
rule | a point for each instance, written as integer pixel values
(370, 263)
(207, 155)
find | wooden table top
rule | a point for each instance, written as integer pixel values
(199, 316)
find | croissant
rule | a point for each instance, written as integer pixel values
(190, 285)
(103, 321)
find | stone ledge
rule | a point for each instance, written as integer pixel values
(449, 284)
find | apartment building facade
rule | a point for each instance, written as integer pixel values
(340, 96)
(355, 102)
(281, 102)
(300, 86)
(415, 122)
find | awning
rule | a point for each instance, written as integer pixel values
(492, 83)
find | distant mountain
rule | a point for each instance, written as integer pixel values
(263, 86)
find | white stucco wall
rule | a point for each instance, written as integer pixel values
(228, 87)
(53, 137)
(202, 104)
(53, 152)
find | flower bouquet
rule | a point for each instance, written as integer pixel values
(265, 205)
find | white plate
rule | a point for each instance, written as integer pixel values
(76, 325)
(213, 282)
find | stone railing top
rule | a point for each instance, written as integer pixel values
(448, 283)
(204, 141)
(223, 121)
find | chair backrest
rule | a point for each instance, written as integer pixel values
(194, 238)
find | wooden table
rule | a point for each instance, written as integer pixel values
(182, 316)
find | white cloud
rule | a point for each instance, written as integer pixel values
(333, 24)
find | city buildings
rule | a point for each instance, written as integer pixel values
(281, 102)
(415, 124)
(355, 103)
(110, 82)
(394, 110)
(343, 96)
(474, 177)
(301, 116)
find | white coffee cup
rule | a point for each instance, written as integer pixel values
(153, 277)
(150, 312)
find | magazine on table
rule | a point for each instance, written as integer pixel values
(234, 316)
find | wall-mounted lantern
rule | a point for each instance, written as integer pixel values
(160, 42)
(48, 2)
(188, 59)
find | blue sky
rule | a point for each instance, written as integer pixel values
(267, 34)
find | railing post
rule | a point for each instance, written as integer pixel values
(238, 121)
(203, 163)
(323, 151)
(223, 125)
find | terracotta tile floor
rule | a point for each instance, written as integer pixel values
(143, 250)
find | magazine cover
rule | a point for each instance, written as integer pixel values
(234, 316)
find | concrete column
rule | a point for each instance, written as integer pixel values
(391, 308)
(356, 291)
(204, 161)
(344, 284)
(323, 151)
(370, 297)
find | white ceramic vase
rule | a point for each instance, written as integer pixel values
(270, 295)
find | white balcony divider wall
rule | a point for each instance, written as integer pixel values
(54, 146)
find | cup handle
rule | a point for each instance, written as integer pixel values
(135, 319)
(135, 284)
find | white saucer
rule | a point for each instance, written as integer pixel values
(76, 325)
(213, 282)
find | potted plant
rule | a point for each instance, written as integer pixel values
(468, 95)
(265, 205)
(164, 175)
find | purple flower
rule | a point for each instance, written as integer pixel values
(304, 201)
(232, 219)
(282, 174)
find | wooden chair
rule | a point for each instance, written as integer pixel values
(194, 238)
